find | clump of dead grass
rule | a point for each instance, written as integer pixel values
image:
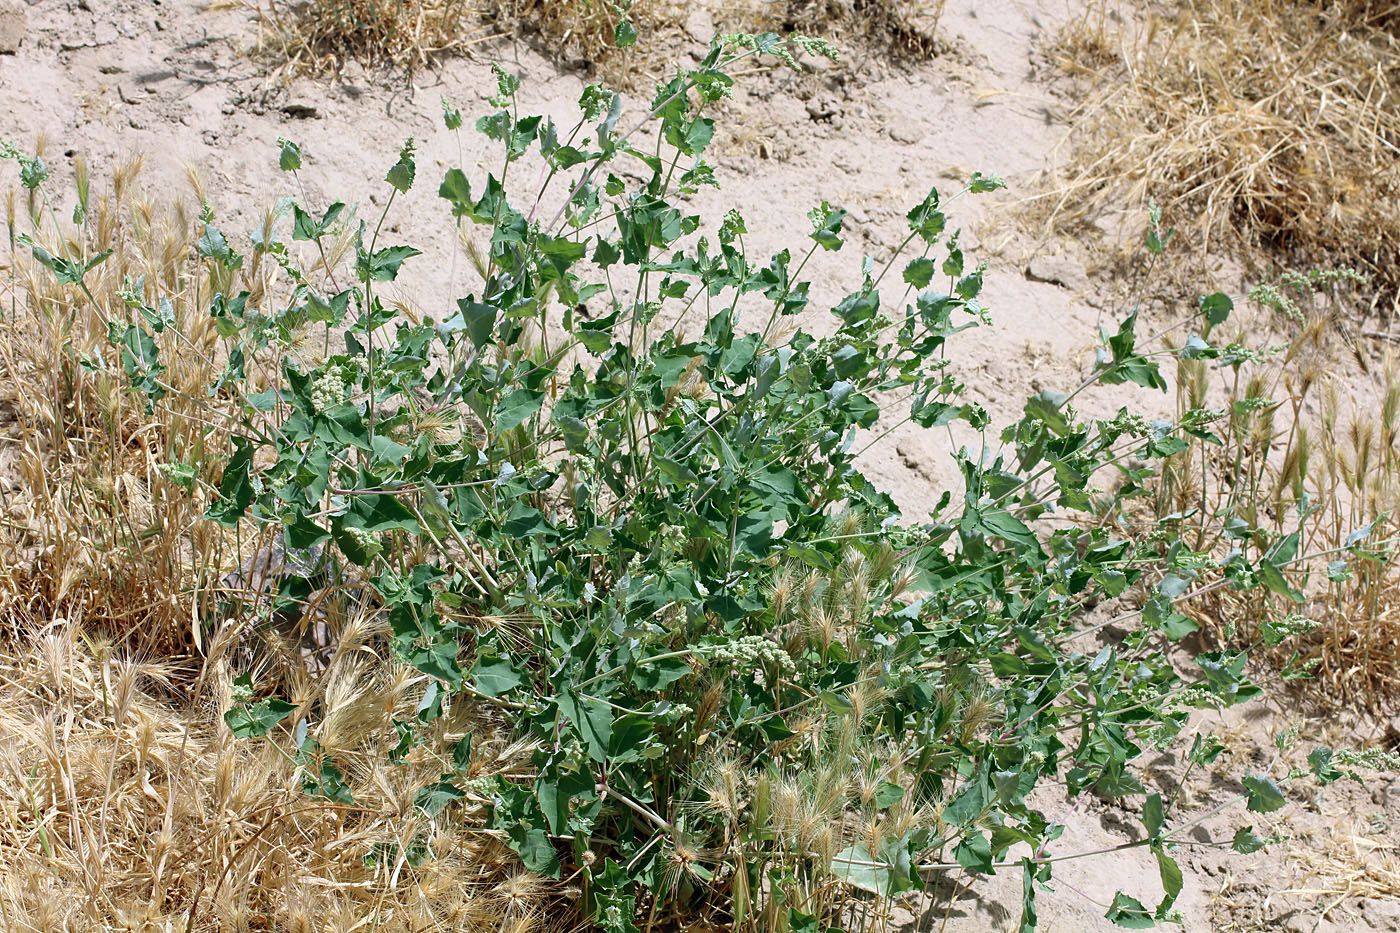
(1303, 448)
(1274, 123)
(94, 526)
(907, 27)
(124, 798)
(121, 806)
(583, 33)
(319, 36)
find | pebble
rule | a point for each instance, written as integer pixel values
(902, 133)
(1381, 913)
(699, 26)
(1058, 270)
(13, 26)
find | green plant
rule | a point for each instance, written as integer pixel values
(611, 501)
(1282, 452)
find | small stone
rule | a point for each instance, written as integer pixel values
(902, 133)
(1058, 270)
(699, 26)
(1381, 913)
(301, 110)
(13, 26)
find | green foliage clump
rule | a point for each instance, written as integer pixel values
(613, 497)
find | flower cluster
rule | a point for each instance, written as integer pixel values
(752, 651)
(328, 390)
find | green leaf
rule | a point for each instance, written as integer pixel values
(235, 487)
(257, 719)
(887, 794)
(496, 676)
(458, 191)
(591, 719)
(625, 34)
(517, 407)
(980, 184)
(401, 172)
(289, 156)
(451, 116)
(574, 431)
(305, 227)
(1320, 763)
(926, 220)
(655, 676)
(434, 798)
(1276, 582)
(836, 702)
(524, 521)
(1216, 308)
(678, 473)
(826, 224)
(1171, 878)
(1152, 815)
(383, 265)
(360, 546)
(975, 853)
(437, 657)
(1246, 842)
(213, 245)
(1127, 911)
(855, 867)
(559, 791)
(1264, 794)
(328, 782)
(536, 851)
(919, 272)
(478, 320)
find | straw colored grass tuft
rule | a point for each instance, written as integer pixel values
(119, 806)
(320, 36)
(1274, 123)
(584, 32)
(125, 800)
(908, 27)
(1301, 450)
(95, 525)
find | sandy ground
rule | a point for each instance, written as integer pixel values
(174, 83)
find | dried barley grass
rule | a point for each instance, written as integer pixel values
(119, 805)
(583, 32)
(908, 27)
(319, 36)
(1275, 124)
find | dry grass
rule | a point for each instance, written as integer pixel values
(93, 527)
(1356, 862)
(582, 33)
(320, 36)
(903, 26)
(1275, 124)
(1302, 448)
(121, 807)
(125, 802)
